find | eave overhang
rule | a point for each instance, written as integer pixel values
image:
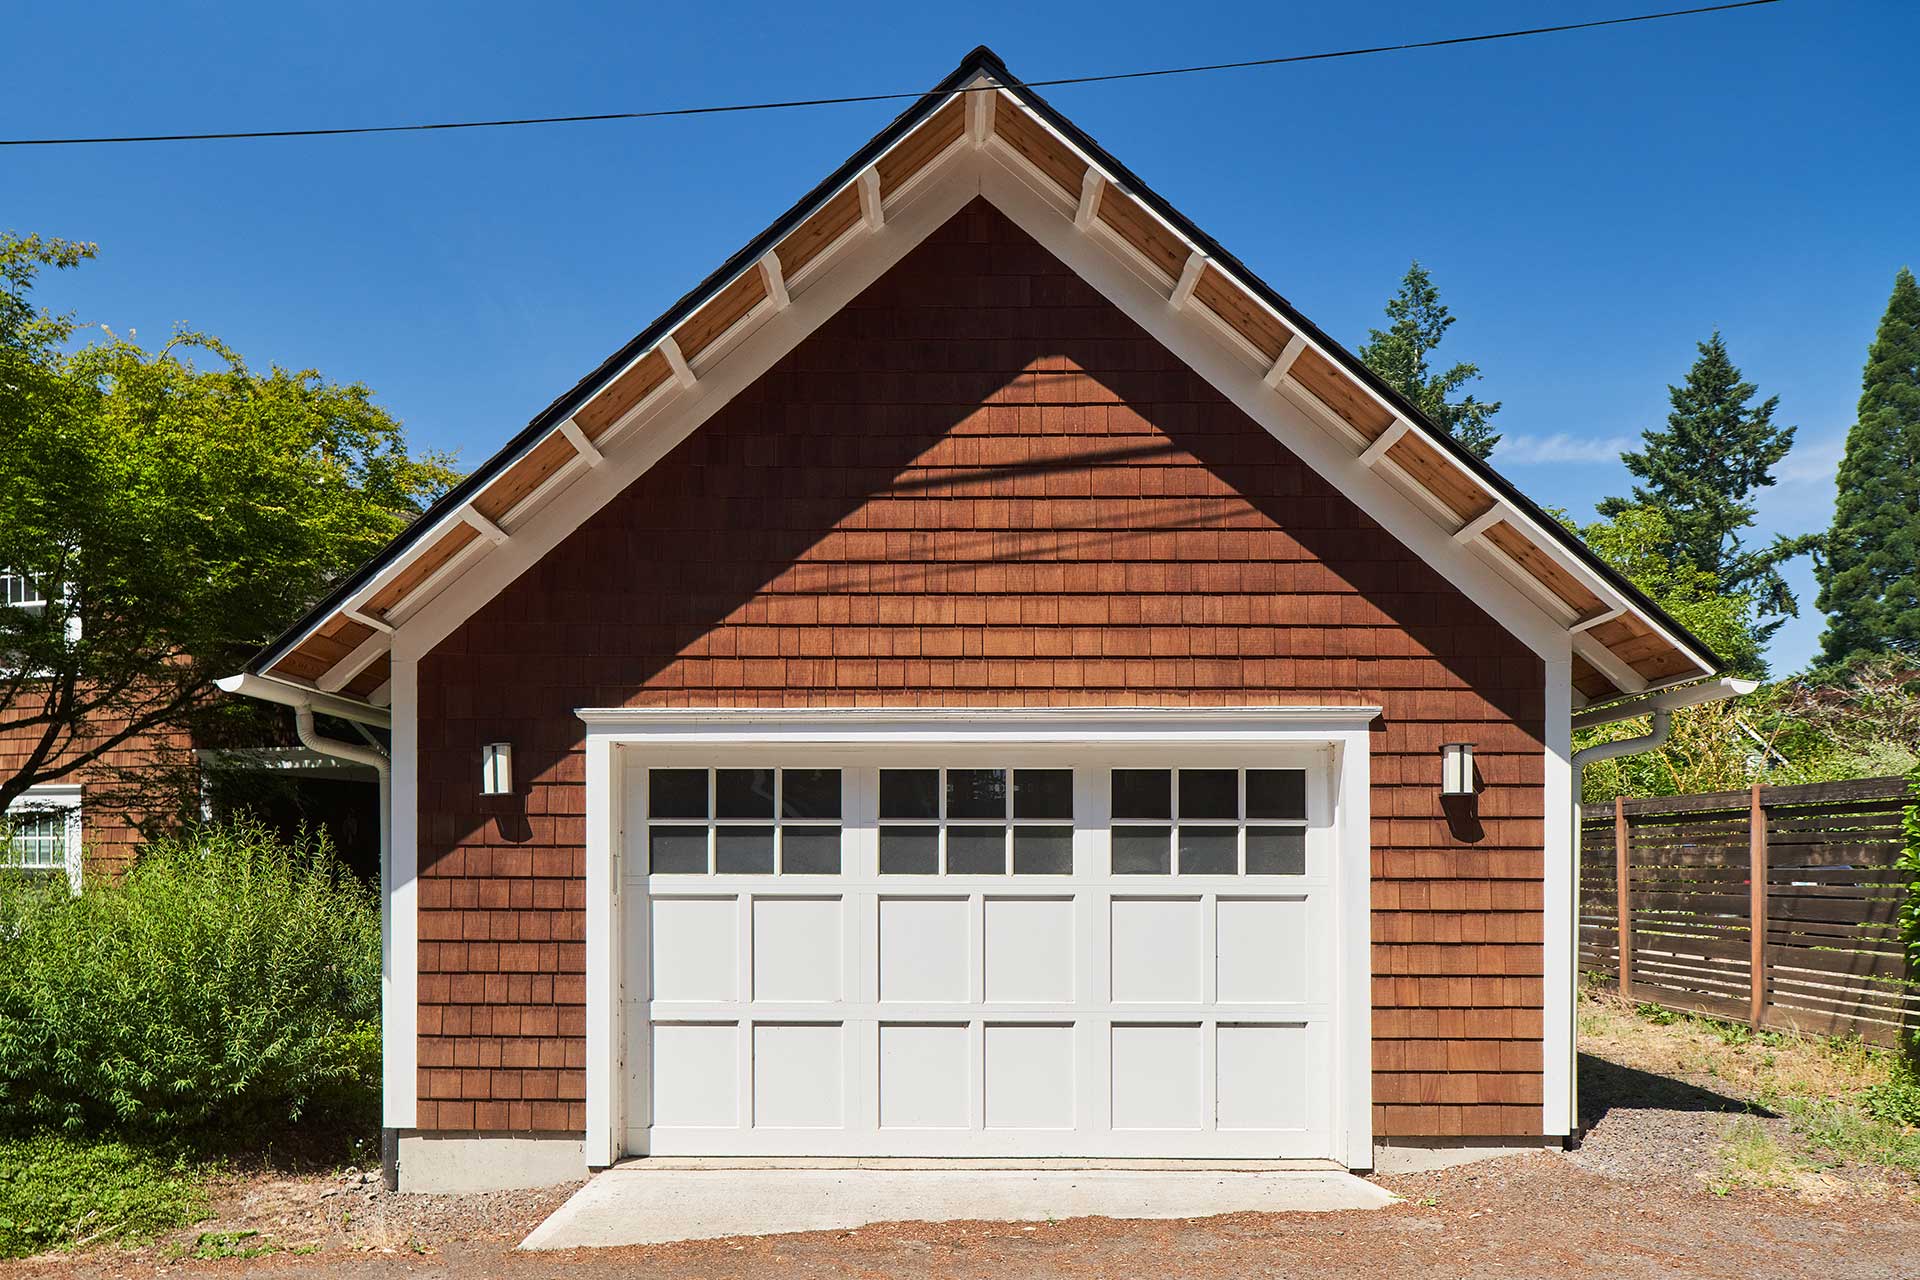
(1622, 644)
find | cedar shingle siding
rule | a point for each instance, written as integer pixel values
(981, 484)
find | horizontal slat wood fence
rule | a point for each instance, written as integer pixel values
(1815, 865)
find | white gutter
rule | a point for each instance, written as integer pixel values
(1686, 695)
(287, 694)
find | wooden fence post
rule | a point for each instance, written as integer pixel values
(1621, 883)
(1757, 906)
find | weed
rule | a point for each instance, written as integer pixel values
(58, 1192)
(210, 1245)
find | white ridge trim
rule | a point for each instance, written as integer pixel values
(1385, 441)
(775, 280)
(670, 348)
(581, 445)
(871, 210)
(1288, 354)
(980, 103)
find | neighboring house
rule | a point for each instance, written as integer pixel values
(978, 677)
(90, 820)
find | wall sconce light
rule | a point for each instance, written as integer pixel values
(1456, 769)
(496, 769)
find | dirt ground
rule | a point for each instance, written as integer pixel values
(1650, 1192)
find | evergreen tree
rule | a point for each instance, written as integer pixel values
(1399, 354)
(1701, 473)
(1870, 572)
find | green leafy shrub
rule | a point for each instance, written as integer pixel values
(58, 1192)
(226, 986)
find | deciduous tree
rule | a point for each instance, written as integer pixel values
(175, 509)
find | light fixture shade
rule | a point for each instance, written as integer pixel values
(496, 769)
(1456, 769)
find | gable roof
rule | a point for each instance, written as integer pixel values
(1623, 643)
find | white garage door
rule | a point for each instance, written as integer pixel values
(1027, 956)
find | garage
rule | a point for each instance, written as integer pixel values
(957, 950)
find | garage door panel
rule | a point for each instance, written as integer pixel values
(924, 950)
(695, 949)
(797, 950)
(926, 1080)
(1262, 952)
(1158, 1080)
(1031, 944)
(798, 1075)
(1155, 951)
(1269, 1077)
(696, 1075)
(1031, 1074)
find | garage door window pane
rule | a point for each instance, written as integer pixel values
(1209, 851)
(1043, 793)
(976, 793)
(910, 793)
(810, 793)
(1276, 851)
(1142, 793)
(743, 793)
(976, 851)
(1209, 793)
(677, 850)
(744, 851)
(1043, 851)
(677, 793)
(810, 851)
(909, 851)
(1142, 851)
(1277, 793)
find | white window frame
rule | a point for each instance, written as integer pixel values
(58, 798)
(1342, 731)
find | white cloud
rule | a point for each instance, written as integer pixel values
(1561, 446)
(1812, 461)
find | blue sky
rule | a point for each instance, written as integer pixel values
(1590, 204)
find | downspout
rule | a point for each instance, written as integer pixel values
(1661, 706)
(304, 703)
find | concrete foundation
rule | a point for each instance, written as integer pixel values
(1424, 1155)
(467, 1162)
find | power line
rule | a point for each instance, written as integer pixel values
(670, 112)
